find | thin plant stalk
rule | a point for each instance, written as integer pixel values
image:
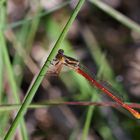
(9, 107)
(13, 85)
(89, 117)
(94, 97)
(1, 74)
(4, 116)
(1, 56)
(10, 73)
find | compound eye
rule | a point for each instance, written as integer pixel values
(61, 51)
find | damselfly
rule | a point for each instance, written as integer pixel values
(61, 60)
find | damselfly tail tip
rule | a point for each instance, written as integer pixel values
(137, 115)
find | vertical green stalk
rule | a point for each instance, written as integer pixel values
(2, 19)
(3, 116)
(1, 73)
(31, 92)
(14, 88)
(94, 98)
(89, 116)
(10, 73)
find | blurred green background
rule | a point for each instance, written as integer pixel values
(106, 42)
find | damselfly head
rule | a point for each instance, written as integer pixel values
(59, 55)
(60, 51)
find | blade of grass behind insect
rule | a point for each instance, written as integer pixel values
(94, 97)
(33, 88)
(117, 15)
(89, 115)
(76, 83)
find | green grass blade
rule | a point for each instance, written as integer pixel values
(89, 116)
(11, 79)
(9, 107)
(1, 73)
(95, 97)
(39, 78)
(4, 116)
(117, 15)
(10, 72)
(2, 20)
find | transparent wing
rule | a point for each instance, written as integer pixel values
(54, 69)
(104, 83)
